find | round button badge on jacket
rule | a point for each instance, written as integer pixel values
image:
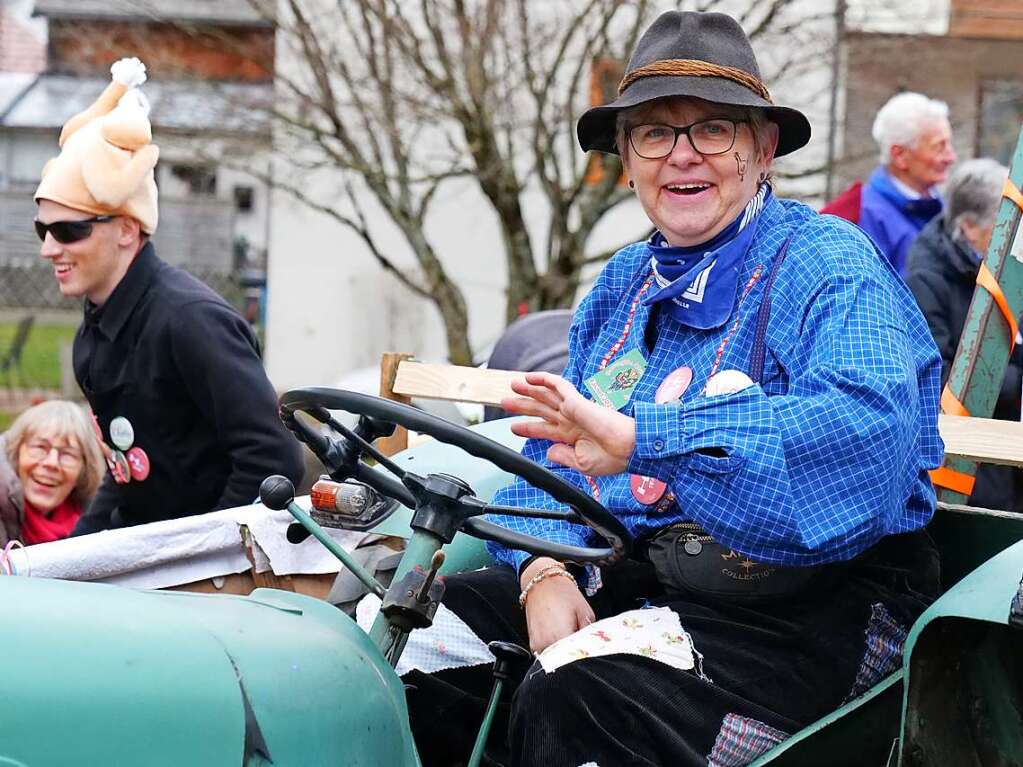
(138, 463)
(646, 490)
(121, 433)
(119, 467)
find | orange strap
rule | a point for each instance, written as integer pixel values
(952, 480)
(1011, 192)
(950, 403)
(987, 281)
(945, 477)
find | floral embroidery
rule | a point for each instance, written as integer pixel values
(649, 633)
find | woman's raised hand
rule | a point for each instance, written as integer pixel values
(592, 439)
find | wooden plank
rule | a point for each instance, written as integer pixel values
(982, 440)
(1006, 28)
(454, 383)
(264, 580)
(997, 19)
(233, 583)
(243, 584)
(986, 7)
(389, 365)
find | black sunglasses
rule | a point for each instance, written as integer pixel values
(66, 232)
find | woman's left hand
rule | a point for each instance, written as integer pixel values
(592, 439)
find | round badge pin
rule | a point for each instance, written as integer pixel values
(119, 467)
(138, 464)
(646, 490)
(674, 385)
(121, 433)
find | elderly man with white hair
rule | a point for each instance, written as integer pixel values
(942, 273)
(901, 196)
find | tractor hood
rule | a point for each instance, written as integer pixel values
(96, 674)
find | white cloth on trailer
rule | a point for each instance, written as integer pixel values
(179, 551)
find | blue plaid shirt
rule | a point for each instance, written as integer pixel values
(818, 463)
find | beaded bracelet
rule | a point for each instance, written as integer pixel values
(546, 572)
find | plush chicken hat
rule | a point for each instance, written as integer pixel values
(106, 162)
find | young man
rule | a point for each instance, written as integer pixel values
(901, 196)
(182, 405)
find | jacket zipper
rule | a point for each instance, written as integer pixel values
(692, 531)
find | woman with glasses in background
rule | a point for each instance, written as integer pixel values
(50, 467)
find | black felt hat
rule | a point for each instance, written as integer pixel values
(701, 55)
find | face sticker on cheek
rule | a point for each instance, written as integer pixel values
(740, 163)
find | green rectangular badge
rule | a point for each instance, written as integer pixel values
(612, 387)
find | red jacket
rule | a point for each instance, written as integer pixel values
(848, 204)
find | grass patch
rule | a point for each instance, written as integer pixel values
(40, 359)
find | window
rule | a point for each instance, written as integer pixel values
(243, 198)
(1000, 115)
(201, 180)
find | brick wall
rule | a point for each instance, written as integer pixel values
(21, 50)
(89, 48)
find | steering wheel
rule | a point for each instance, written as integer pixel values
(583, 509)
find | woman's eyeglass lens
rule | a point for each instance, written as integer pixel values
(39, 450)
(708, 137)
(66, 232)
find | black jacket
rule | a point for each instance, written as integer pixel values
(173, 358)
(942, 273)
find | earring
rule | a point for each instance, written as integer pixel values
(632, 184)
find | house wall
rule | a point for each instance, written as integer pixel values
(23, 153)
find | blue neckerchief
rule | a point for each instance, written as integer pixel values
(698, 284)
(921, 210)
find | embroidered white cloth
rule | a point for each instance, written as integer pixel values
(448, 643)
(654, 632)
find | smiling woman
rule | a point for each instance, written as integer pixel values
(50, 467)
(753, 393)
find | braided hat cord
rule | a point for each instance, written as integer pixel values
(694, 68)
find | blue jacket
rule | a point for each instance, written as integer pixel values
(893, 220)
(827, 456)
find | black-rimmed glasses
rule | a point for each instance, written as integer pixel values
(654, 141)
(66, 232)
